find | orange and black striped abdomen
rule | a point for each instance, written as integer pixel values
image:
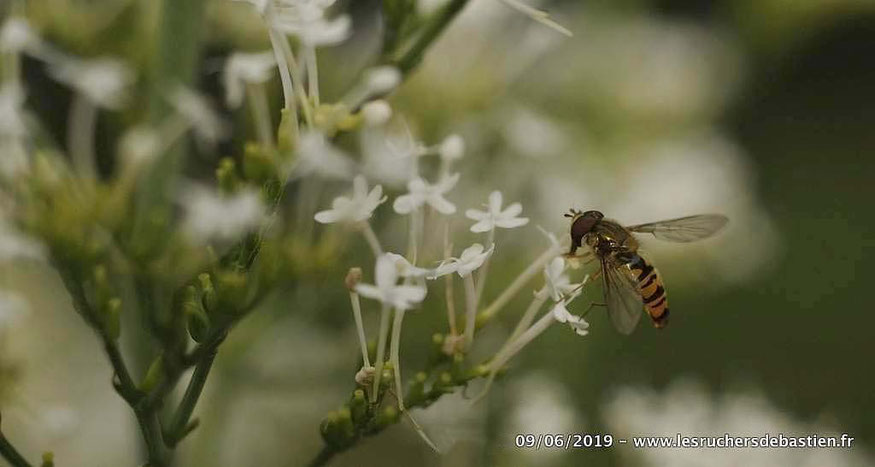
(651, 289)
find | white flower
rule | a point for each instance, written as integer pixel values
(562, 315)
(208, 126)
(376, 113)
(381, 80)
(11, 114)
(357, 208)
(452, 148)
(420, 192)
(405, 269)
(17, 36)
(471, 259)
(556, 283)
(104, 81)
(306, 20)
(246, 68)
(15, 245)
(495, 216)
(386, 290)
(317, 155)
(210, 215)
(139, 146)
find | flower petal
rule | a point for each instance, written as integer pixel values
(495, 199)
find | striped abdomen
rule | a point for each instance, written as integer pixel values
(651, 290)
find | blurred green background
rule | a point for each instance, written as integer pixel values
(654, 109)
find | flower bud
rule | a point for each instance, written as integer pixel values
(153, 375)
(197, 321)
(258, 165)
(382, 80)
(208, 293)
(353, 277)
(226, 174)
(48, 459)
(452, 148)
(358, 406)
(387, 416)
(287, 134)
(112, 318)
(416, 394)
(376, 113)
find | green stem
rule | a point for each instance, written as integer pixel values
(8, 451)
(323, 457)
(179, 426)
(411, 58)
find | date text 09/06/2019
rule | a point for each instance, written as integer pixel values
(600, 441)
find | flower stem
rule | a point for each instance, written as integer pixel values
(276, 41)
(517, 284)
(471, 311)
(432, 30)
(357, 313)
(8, 451)
(381, 351)
(395, 357)
(81, 126)
(372, 239)
(484, 270)
(179, 427)
(312, 72)
(451, 302)
(261, 114)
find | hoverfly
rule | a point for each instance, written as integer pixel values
(630, 282)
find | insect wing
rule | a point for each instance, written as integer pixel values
(622, 298)
(684, 229)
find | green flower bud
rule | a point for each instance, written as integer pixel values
(196, 318)
(388, 416)
(258, 164)
(48, 459)
(153, 375)
(208, 293)
(232, 290)
(416, 393)
(358, 406)
(226, 174)
(287, 134)
(112, 318)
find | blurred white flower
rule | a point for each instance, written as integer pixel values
(357, 208)
(317, 155)
(306, 20)
(15, 245)
(376, 113)
(12, 308)
(452, 148)
(470, 260)
(12, 123)
(532, 134)
(245, 68)
(381, 80)
(139, 145)
(556, 282)
(540, 404)
(388, 155)
(405, 269)
(208, 127)
(104, 81)
(495, 216)
(16, 36)
(387, 291)
(562, 315)
(59, 421)
(421, 192)
(210, 215)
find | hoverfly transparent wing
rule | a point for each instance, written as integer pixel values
(622, 298)
(684, 229)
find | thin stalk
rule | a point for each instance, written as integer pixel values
(394, 356)
(471, 309)
(517, 284)
(504, 355)
(312, 72)
(381, 351)
(261, 114)
(357, 314)
(81, 126)
(180, 422)
(297, 80)
(432, 30)
(372, 239)
(448, 280)
(8, 451)
(276, 41)
(484, 270)
(528, 316)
